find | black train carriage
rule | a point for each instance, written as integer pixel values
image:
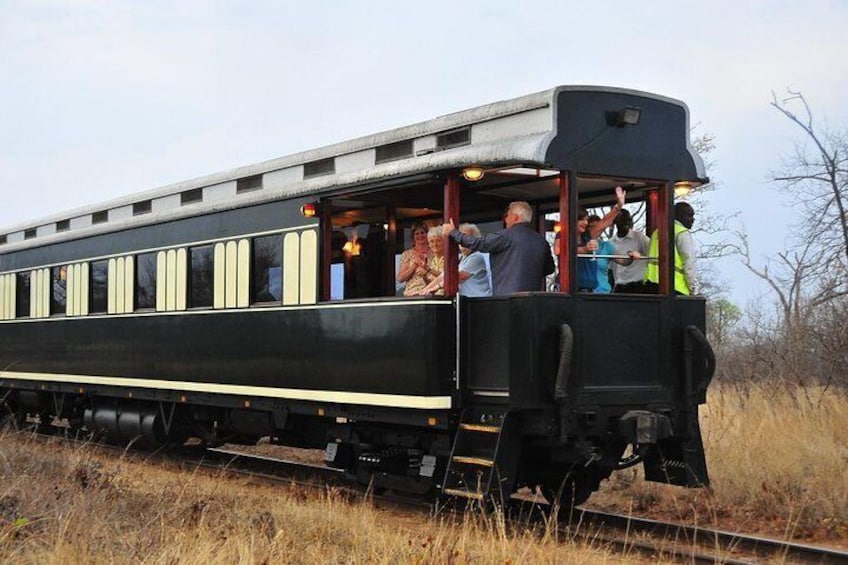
(262, 302)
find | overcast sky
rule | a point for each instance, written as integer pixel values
(101, 99)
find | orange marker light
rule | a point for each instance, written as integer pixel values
(309, 210)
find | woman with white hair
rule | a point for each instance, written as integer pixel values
(473, 273)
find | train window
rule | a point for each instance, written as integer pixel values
(202, 276)
(3, 239)
(98, 290)
(22, 295)
(30, 233)
(145, 281)
(63, 225)
(59, 290)
(267, 269)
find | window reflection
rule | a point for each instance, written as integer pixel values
(202, 281)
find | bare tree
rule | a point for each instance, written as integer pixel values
(810, 278)
(818, 177)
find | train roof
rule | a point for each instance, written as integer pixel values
(511, 132)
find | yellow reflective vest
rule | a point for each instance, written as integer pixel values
(652, 271)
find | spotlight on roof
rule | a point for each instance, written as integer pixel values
(628, 116)
(473, 173)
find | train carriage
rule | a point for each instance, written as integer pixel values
(263, 301)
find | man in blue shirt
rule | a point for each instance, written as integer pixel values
(520, 256)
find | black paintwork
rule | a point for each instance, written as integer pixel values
(655, 148)
(396, 348)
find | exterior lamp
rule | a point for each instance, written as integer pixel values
(473, 174)
(309, 210)
(682, 188)
(628, 116)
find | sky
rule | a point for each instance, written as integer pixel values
(100, 99)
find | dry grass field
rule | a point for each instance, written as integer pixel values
(61, 505)
(778, 458)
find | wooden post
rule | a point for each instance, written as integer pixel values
(326, 231)
(451, 212)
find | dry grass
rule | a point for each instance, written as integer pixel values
(74, 505)
(778, 460)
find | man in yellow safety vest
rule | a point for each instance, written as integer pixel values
(684, 253)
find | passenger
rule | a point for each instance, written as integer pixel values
(603, 263)
(473, 273)
(587, 236)
(520, 256)
(684, 254)
(436, 263)
(413, 262)
(629, 278)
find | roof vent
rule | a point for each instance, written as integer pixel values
(453, 138)
(191, 196)
(393, 151)
(319, 168)
(63, 225)
(100, 217)
(249, 184)
(143, 207)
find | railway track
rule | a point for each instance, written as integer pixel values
(626, 534)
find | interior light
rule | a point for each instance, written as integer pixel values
(557, 227)
(682, 188)
(309, 210)
(473, 173)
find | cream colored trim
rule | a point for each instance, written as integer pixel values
(181, 274)
(231, 274)
(309, 267)
(129, 284)
(46, 292)
(112, 287)
(219, 285)
(120, 284)
(33, 295)
(83, 273)
(361, 398)
(291, 268)
(70, 290)
(170, 280)
(243, 293)
(4, 298)
(161, 281)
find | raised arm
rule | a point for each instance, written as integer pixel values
(608, 220)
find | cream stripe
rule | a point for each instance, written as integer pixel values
(83, 270)
(231, 270)
(34, 295)
(308, 266)
(171, 278)
(243, 293)
(181, 274)
(362, 398)
(112, 286)
(120, 274)
(3, 300)
(291, 268)
(46, 292)
(161, 280)
(220, 260)
(70, 290)
(129, 284)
